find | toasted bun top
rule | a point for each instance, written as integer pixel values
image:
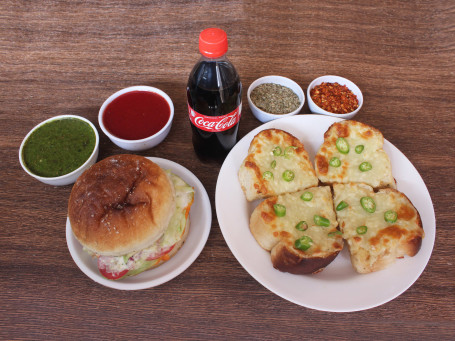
(120, 205)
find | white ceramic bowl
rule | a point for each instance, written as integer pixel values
(342, 81)
(148, 142)
(263, 116)
(69, 178)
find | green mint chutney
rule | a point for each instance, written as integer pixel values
(58, 147)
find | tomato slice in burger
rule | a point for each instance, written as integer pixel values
(111, 275)
(161, 253)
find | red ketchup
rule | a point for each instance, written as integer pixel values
(136, 115)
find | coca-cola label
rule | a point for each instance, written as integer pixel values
(215, 123)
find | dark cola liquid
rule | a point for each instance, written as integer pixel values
(214, 89)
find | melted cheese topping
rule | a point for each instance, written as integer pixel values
(304, 175)
(382, 237)
(299, 210)
(380, 174)
(261, 173)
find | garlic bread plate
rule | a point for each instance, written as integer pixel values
(320, 291)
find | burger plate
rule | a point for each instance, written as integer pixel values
(199, 229)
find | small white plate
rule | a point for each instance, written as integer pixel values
(200, 223)
(338, 288)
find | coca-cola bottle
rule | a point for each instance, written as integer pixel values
(214, 95)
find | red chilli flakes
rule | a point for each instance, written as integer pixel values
(334, 98)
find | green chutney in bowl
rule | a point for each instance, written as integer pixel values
(58, 147)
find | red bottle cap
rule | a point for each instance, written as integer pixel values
(213, 42)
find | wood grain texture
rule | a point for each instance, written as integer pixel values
(67, 57)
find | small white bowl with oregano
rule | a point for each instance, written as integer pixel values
(273, 97)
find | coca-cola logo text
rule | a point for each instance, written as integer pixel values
(215, 123)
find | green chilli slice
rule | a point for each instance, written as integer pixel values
(288, 175)
(302, 226)
(277, 151)
(368, 204)
(289, 151)
(365, 166)
(390, 216)
(267, 175)
(303, 243)
(334, 233)
(307, 196)
(280, 210)
(321, 221)
(361, 229)
(342, 145)
(335, 162)
(359, 148)
(342, 205)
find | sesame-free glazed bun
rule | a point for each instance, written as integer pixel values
(120, 205)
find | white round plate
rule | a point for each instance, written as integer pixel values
(200, 223)
(338, 288)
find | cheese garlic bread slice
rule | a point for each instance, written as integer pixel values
(277, 163)
(378, 227)
(352, 152)
(299, 229)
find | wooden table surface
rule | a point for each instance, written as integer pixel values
(67, 57)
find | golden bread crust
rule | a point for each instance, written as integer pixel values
(278, 234)
(355, 134)
(286, 259)
(260, 157)
(121, 204)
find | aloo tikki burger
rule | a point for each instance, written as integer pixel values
(130, 214)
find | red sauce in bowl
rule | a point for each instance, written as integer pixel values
(136, 115)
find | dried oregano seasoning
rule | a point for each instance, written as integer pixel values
(275, 98)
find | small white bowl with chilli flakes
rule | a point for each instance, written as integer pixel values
(273, 97)
(329, 94)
